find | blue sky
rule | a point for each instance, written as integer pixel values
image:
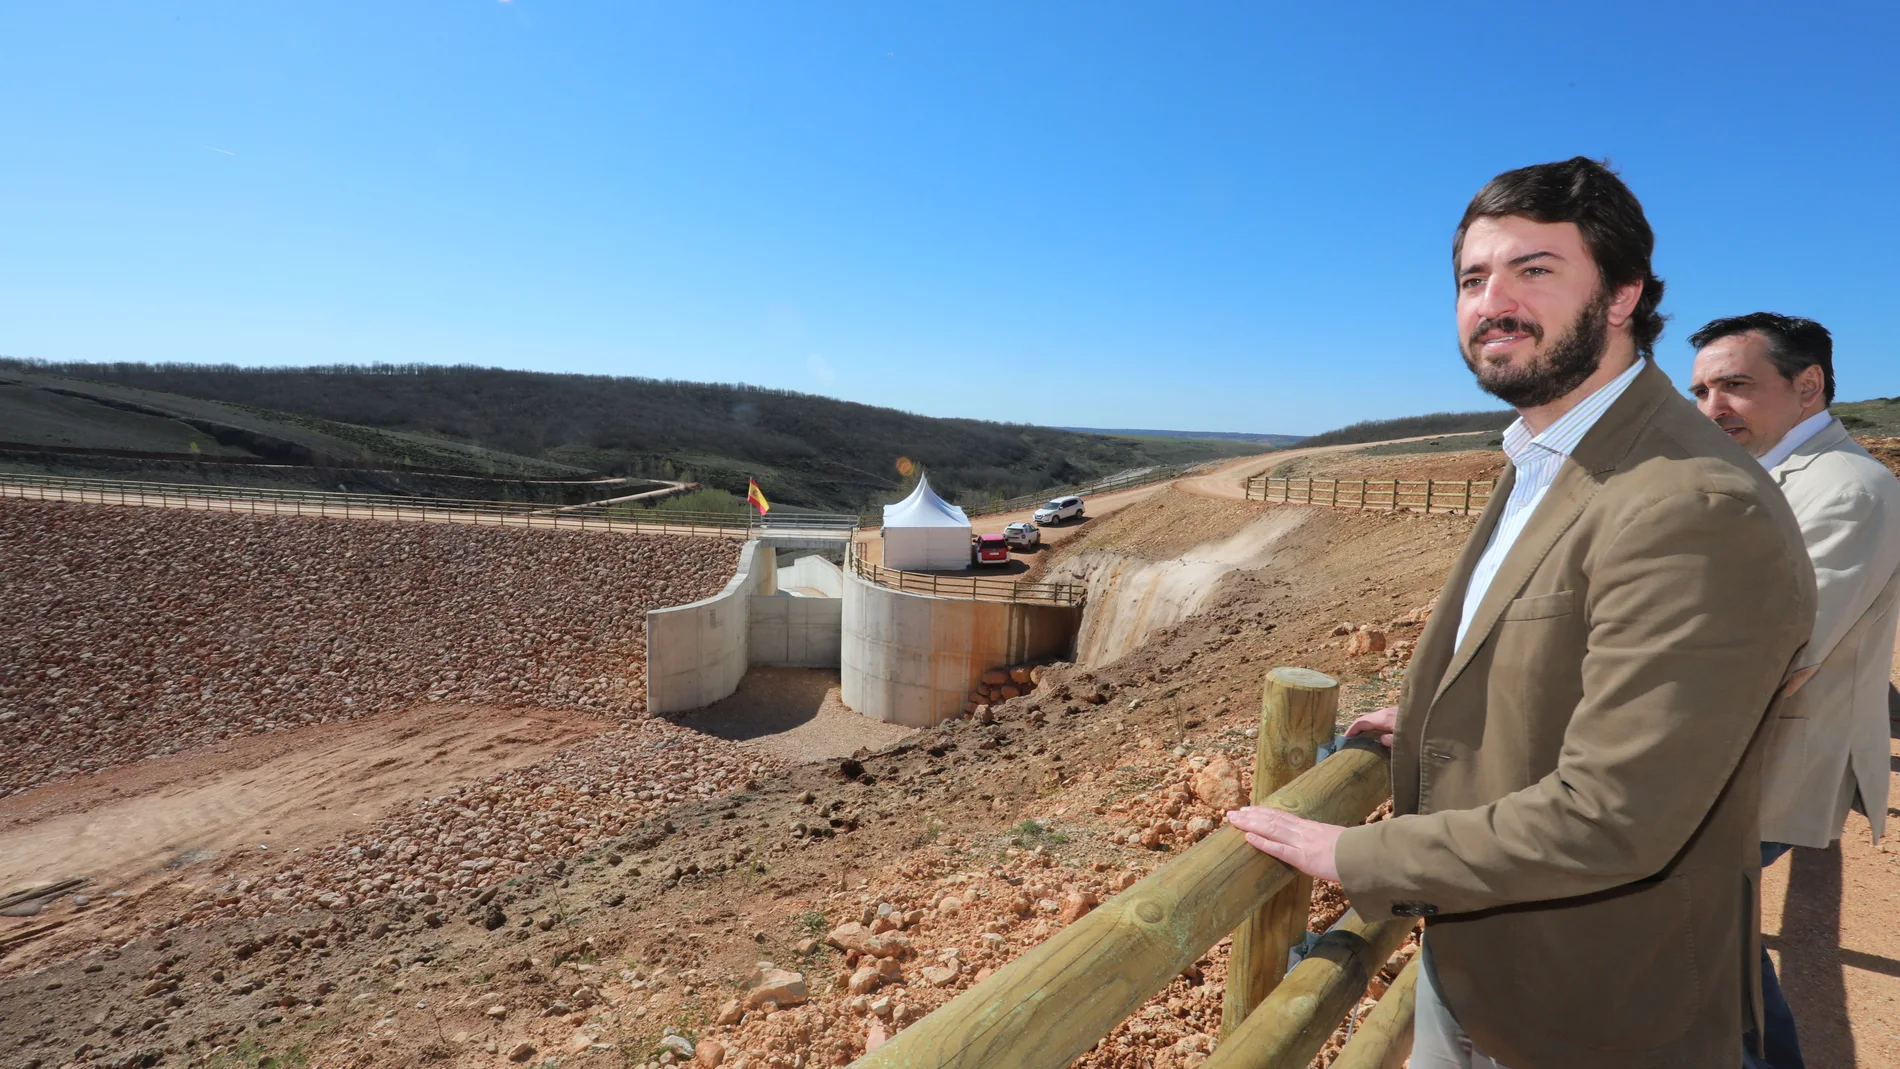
(1203, 216)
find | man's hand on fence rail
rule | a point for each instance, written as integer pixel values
(1382, 721)
(1307, 845)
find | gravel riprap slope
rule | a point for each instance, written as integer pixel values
(130, 633)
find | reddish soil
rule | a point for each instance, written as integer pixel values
(1480, 464)
(590, 949)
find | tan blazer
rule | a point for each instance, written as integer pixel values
(1578, 784)
(1831, 738)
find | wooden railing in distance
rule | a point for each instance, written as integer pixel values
(1050, 1005)
(257, 500)
(967, 587)
(1467, 497)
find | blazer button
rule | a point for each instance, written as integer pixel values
(1414, 909)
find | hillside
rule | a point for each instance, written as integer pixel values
(1384, 430)
(1878, 416)
(806, 450)
(1275, 441)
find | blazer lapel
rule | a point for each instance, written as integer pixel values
(1562, 504)
(1828, 437)
(1435, 642)
(1601, 450)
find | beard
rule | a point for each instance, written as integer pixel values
(1549, 375)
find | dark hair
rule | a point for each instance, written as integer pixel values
(1586, 192)
(1794, 344)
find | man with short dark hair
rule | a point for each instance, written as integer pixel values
(1767, 380)
(1575, 778)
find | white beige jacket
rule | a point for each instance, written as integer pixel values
(1831, 736)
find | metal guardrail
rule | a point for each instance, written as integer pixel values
(1058, 999)
(282, 502)
(964, 587)
(1384, 495)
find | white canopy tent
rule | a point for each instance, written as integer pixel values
(925, 532)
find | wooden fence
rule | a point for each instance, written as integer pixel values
(272, 501)
(1049, 1006)
(1467, 497)
(964, 587)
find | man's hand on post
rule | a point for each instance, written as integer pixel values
(1307, 845)
(1383, 721)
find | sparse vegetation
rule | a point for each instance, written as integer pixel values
(809, 451)
(1380, 430)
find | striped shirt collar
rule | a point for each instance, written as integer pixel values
(1560, 438)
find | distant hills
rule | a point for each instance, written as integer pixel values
(1274, 440)
(805, 450)
(1384, 430)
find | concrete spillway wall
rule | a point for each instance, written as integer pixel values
(911, 659)
(792, 631)
(697, 653)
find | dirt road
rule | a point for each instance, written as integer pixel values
(143, 828)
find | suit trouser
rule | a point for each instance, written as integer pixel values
(1437, 1041)
(1781, 1044)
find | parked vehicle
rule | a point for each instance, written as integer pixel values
(1060, 509)
(989, 549)
(1022, 535)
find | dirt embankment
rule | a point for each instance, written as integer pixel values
(138, 632)
(971, 841)
(1479, 464)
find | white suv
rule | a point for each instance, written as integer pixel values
(1023, 535)
(1058, 510)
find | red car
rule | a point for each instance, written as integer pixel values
(989, 549)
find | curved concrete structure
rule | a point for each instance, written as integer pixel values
(911, 659)
(697, 653)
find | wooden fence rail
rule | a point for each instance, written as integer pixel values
(281, 502)
(1464, 497)
(1049, 1006)
(964, 587)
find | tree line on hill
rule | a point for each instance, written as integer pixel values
(807, 450)
(1384, 430)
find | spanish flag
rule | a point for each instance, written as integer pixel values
(757, 497)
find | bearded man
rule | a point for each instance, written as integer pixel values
(1575, 765)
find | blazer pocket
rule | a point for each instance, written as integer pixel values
(1541, 607)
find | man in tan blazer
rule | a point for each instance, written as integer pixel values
(1767, 381)
(1575, 775)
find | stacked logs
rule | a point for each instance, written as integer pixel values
(1000, 685)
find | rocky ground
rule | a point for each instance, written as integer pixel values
(1477, 464)
(670, 864)
(137, 632)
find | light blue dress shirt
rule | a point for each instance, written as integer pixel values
(1537, 460)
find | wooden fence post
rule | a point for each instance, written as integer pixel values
(1395, 495)
(1296, 715)
(1429, 484)
(1292, 1025)
(1467, 497)
(1384, 1039)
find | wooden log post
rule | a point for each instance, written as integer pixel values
(1384, 1039)
(1297, 1019)
(1049, 1006)
(1297, 707)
